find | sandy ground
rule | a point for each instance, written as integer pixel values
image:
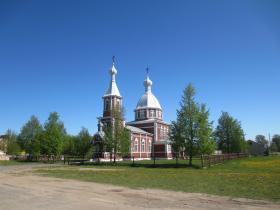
(21, 189)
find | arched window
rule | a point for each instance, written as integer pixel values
(143, 146)
(136, 145)
(107, 105)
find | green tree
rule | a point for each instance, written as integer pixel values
(13, 147)
(69, 147)
(193, 127)
(54, 134)
(273, 147)
(83, 142)
(276, 140)
(109, 139)
(176, 138)
(117, 138)
(30, 135)
(229, 134)
(206, 142)
(124, 142)
(261, 140)
(188, 118)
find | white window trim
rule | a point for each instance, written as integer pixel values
(143, 141)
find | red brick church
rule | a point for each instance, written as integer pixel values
(148, 132)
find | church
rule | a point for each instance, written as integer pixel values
(148, 131)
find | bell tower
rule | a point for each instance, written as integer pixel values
(112, 99)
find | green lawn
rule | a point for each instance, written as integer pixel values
(9, 162)
(257, 178)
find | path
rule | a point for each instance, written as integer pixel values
(20, 189)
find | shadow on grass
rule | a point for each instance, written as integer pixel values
(143, 165)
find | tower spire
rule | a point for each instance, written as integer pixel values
(113, 88)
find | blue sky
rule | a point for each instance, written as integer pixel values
(55, 56)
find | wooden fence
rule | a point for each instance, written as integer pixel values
(205, 160)
(208, 160)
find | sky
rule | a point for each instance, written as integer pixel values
(55, 56)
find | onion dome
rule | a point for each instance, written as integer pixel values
(113, 88)
(148, 100)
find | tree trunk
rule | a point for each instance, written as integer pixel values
(190, 160)
(115, 151)
(191, 155)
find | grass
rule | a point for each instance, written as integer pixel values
(9, 162)
(256, 178)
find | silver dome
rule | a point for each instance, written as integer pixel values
(148, 100)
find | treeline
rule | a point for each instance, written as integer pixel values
(50, 139)
(273, 146)
(192, 133)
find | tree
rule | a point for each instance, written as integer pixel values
(188, 118)
(276, 140)
(176, 138)
(117, 138)
(69, 147)
(109, 139)
(192, 130)
(206, 142)
(273, 147)
(229, 134)
(13, 147)
(261, 140)
(124, 142)
(29, 137)
(53, 136)
(83, 143)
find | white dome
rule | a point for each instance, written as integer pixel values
(148, 100)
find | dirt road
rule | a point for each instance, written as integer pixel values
(21, 189)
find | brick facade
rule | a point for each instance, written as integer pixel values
(148, 132)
